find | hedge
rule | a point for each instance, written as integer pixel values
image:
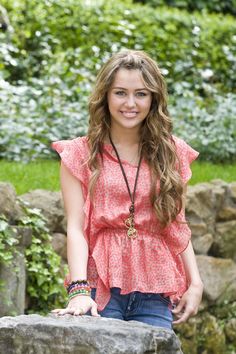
(49, 63)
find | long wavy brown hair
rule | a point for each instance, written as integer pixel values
(156, 141)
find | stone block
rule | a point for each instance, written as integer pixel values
(219, 278)
(13, 279)
(59, 245)
(83, 335)
(202, 244)
(225, 240)
(8, 204)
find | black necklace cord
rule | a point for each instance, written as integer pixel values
(132, 195)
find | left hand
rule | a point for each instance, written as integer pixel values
(189, 303)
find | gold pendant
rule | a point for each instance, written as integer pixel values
(132, 232)
(129, 223)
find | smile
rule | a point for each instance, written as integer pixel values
(129, 114)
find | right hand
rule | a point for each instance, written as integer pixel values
(79, 305)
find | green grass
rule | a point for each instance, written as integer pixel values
(44, 174)
(207, 171)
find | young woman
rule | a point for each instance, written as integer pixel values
(129, 251)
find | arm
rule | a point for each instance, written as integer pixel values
(191, 299)
(190, 266)
(77, 247)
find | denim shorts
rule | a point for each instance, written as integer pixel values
(150, 308)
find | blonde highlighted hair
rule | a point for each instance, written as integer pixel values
(156, 141)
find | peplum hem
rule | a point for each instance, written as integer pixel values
(149, 255)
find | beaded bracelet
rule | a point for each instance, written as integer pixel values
(77, 287)
(74, 284)
(79, 292)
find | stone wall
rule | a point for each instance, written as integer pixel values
(211, 213)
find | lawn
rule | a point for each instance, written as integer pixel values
(44, 174)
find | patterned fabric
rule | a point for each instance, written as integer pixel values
(150, 263)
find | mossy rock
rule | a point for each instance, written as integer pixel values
(230, 330)
(211, 336)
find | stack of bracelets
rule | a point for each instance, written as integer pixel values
(77, 287)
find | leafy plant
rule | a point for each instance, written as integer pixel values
(44, 275)
(8, 241)
(43, 265)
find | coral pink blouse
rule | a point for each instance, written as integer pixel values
(150, 263)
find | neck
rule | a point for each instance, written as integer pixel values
(125, 138)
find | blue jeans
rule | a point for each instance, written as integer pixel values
(153, 309)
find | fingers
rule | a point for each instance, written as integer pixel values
(179, 308)
(77, 311)
(94, 310)
(182, 319)
(183, 313)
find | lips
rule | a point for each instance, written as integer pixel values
(129, 114)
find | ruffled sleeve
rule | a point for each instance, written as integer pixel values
(74, 154)
(186, 156)
(178, 233)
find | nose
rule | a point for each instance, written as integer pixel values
(130, 101)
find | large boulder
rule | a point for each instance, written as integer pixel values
(83, 335)
(202, 244)
(59, 245)
(51, 205)
(219, 278)
(228, 209)
(8, 202)
(224, 244)
(13, 279)
(203, 202)
(13, 275)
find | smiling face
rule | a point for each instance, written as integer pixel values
(129, 101)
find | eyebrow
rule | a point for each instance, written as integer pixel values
(122, 88)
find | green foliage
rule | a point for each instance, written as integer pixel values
(48, 66)
(8, 241)
(209, 128)
(40, 112)
(44, 277)
(228, 6)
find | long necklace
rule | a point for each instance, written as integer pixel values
(129, 222)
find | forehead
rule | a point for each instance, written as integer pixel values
(128, 79)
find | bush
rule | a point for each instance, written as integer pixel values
(36, 113)
(209, 129)
(49, 65)
(194, 48)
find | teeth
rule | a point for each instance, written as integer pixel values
(129, 114)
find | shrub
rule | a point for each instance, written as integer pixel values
(209, 129)
(49, 65)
